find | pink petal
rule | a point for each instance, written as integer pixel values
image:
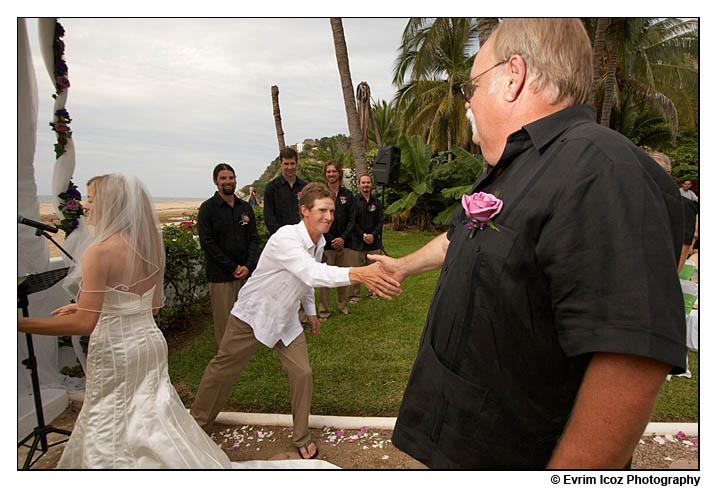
(680, 435)
(340, 433)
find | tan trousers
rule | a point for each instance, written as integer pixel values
(339, 259)
(224, 295)
(238, 347)
(356, 259)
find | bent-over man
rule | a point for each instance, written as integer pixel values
(266, 313)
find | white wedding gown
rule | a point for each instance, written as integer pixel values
(132, 417)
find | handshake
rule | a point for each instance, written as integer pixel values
(383, 277)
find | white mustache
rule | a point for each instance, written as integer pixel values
(470, 117)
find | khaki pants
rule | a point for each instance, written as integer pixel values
(224, 295)
(339, 259)
(357, 259)
(238, 347)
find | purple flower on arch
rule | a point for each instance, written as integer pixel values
(73, 193)
(61, 67)
(60, 127)
(63, 82)
(74, 223)
(59, 30)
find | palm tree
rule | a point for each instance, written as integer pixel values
(654, 61)
(340, 47)
(436, 55)
(387, 120)
(277, 117)
(485, 25)
(609, 92)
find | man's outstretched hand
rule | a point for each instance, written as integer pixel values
(377, 280)
(390, 266)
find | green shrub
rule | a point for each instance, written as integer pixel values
(185, 280)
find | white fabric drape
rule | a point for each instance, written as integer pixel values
(33, 254)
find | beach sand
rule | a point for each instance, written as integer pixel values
(168, 213)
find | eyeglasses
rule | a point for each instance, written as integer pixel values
(467, 89)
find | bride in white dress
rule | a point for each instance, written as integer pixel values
(132, 416)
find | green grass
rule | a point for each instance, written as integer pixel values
(361, 362)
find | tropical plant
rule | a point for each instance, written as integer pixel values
(387, 119)
(340, 48)
(415, 174)
(641, 124)
(650, 60)
(436, 56)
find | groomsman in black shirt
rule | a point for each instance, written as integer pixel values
(339, 236)
(281, 195)
(366, 235)
(228, 235)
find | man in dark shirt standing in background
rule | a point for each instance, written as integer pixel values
(339, 236)
(228, 235)
(281, 201)
(366, 235)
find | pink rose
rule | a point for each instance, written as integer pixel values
(72, 205)
(63, 82)
(481, 207)
(60, 127)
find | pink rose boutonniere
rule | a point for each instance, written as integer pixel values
(343, 199)
(372, 208)
(245, 220)
(299, 195)
(480, 208)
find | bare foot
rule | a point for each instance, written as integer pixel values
(309, 452)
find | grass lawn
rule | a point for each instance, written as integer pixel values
(361, 362)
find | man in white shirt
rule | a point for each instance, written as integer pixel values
(266, 312)
(686, 191)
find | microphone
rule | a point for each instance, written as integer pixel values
(35, 224)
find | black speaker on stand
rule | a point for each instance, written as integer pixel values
(387, 165)
(386, 171)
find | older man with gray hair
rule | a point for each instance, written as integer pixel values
(558, 312)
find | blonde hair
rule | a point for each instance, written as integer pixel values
(662, 159)
(557, 53)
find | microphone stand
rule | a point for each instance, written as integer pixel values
(40, 232)
(26, 286)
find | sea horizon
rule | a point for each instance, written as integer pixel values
(44, 199)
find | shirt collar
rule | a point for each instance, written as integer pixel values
(539, 134)
(307, 242)
(548, 128)
(218, 200)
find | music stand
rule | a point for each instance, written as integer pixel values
(27, 285)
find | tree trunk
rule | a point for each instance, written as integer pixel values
(485, 27)
(599, 42)
(277, 117)
(340, 47)
(364, 109)
(609, 93)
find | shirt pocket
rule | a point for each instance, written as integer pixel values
(493, 251)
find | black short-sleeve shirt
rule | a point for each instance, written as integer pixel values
(584, 260)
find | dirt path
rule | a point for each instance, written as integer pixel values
(355, 449)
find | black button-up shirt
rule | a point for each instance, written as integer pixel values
(281, 203)
(369, 220)
(228, 236)
(343, 223)
(584, 260)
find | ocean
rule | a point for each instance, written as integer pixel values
(48, 199)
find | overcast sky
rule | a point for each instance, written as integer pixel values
(168, 99)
